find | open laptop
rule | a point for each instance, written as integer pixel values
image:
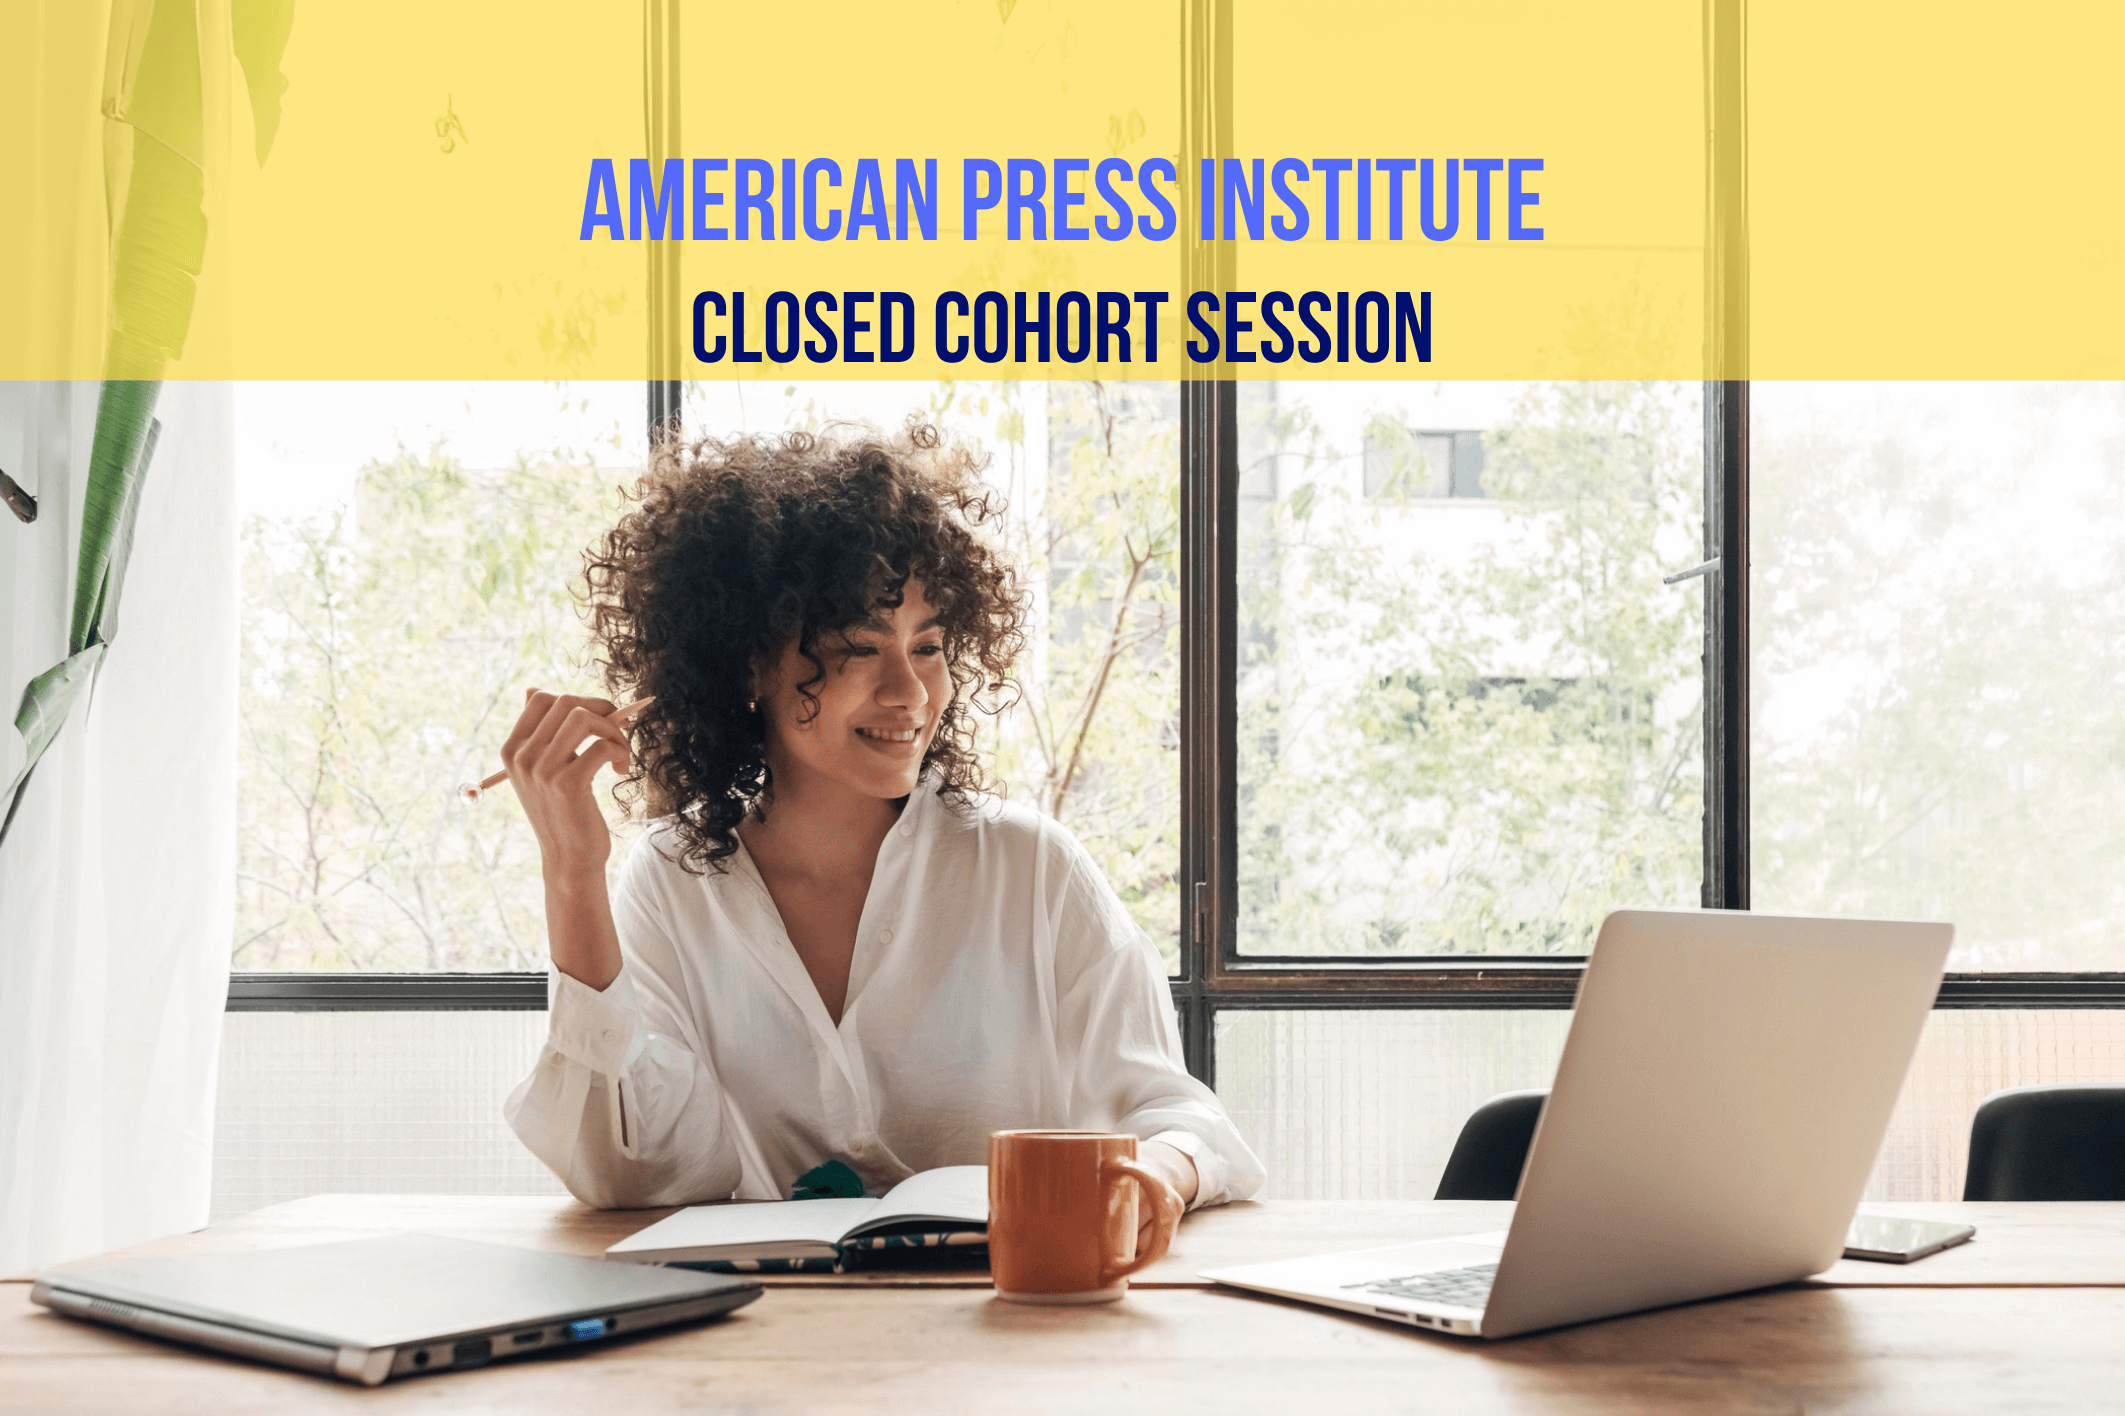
(1723, 1091)
(367, 1310)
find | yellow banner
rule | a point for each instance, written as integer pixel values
(1009, 188)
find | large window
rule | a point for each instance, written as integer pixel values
(1369, 698)
(1369, 759)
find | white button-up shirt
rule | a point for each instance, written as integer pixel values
(997, 983)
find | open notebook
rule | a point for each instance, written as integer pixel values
(943, 1208)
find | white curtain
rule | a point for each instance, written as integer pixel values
(117, 883)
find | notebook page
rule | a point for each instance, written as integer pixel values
(952, 1194)
(709, 1229)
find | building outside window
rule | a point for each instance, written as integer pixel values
(1402, 462)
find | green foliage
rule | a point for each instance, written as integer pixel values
(386, 650)
(1480, 737)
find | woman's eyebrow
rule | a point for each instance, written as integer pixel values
(883, 626)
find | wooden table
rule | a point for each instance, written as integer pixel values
(2030, 1316)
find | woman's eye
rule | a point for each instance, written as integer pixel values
(932, 650)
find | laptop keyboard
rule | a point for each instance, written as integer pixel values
(1462, 1287)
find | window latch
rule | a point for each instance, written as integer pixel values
(1692, 573)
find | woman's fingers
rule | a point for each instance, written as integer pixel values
(1155, 1229)
(586, 763)
(558, 708)
(551, 769)
(527, 723)
(552, 779)
(546, 718)
(607, 743)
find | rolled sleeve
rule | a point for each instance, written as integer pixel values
(1211, 1172)
(624, 1115)
(601, 1029)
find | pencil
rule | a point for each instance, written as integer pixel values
(470, 792)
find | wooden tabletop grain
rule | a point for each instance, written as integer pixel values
(2017, 1245)
(2029, 1317)
(1860, 1351)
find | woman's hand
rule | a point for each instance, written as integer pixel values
(1157, 1221)
(552, 780)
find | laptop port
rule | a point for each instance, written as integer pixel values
(420, 1358)
(525, 1339)
(583, 1329)
(471, 1354)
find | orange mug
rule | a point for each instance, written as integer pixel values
(1063, 1214)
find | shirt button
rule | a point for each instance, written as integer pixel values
(885, 936)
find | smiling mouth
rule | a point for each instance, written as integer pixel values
(889, 735)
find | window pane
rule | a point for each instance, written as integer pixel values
(1366, 1105)
(409, 556)
(371, 1103)
(407, 553)
(1938, 635)
(1964, 1057)
(1470, 713)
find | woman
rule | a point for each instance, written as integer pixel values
(830, 946)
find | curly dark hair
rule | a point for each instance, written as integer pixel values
(737, 547)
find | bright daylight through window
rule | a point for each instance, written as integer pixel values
(1470, 713)
(1939, 641)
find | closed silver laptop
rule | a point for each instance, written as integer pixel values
(1723, 1091)
(367, 1310)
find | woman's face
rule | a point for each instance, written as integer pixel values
(875, 712)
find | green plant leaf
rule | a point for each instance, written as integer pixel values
(259, 31)
(125, 429)
(1302, 501)
(47, 700)
(126, 432)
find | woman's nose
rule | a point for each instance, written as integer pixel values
(901, 686)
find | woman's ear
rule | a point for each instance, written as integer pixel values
(759, 682)
(764, 680)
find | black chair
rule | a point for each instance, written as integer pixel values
(1492, 1148)
(2048, 1143)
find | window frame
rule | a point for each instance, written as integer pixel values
(1212, 976)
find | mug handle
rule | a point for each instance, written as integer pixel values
(1149, 1186)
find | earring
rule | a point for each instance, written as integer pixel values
(752, 705)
